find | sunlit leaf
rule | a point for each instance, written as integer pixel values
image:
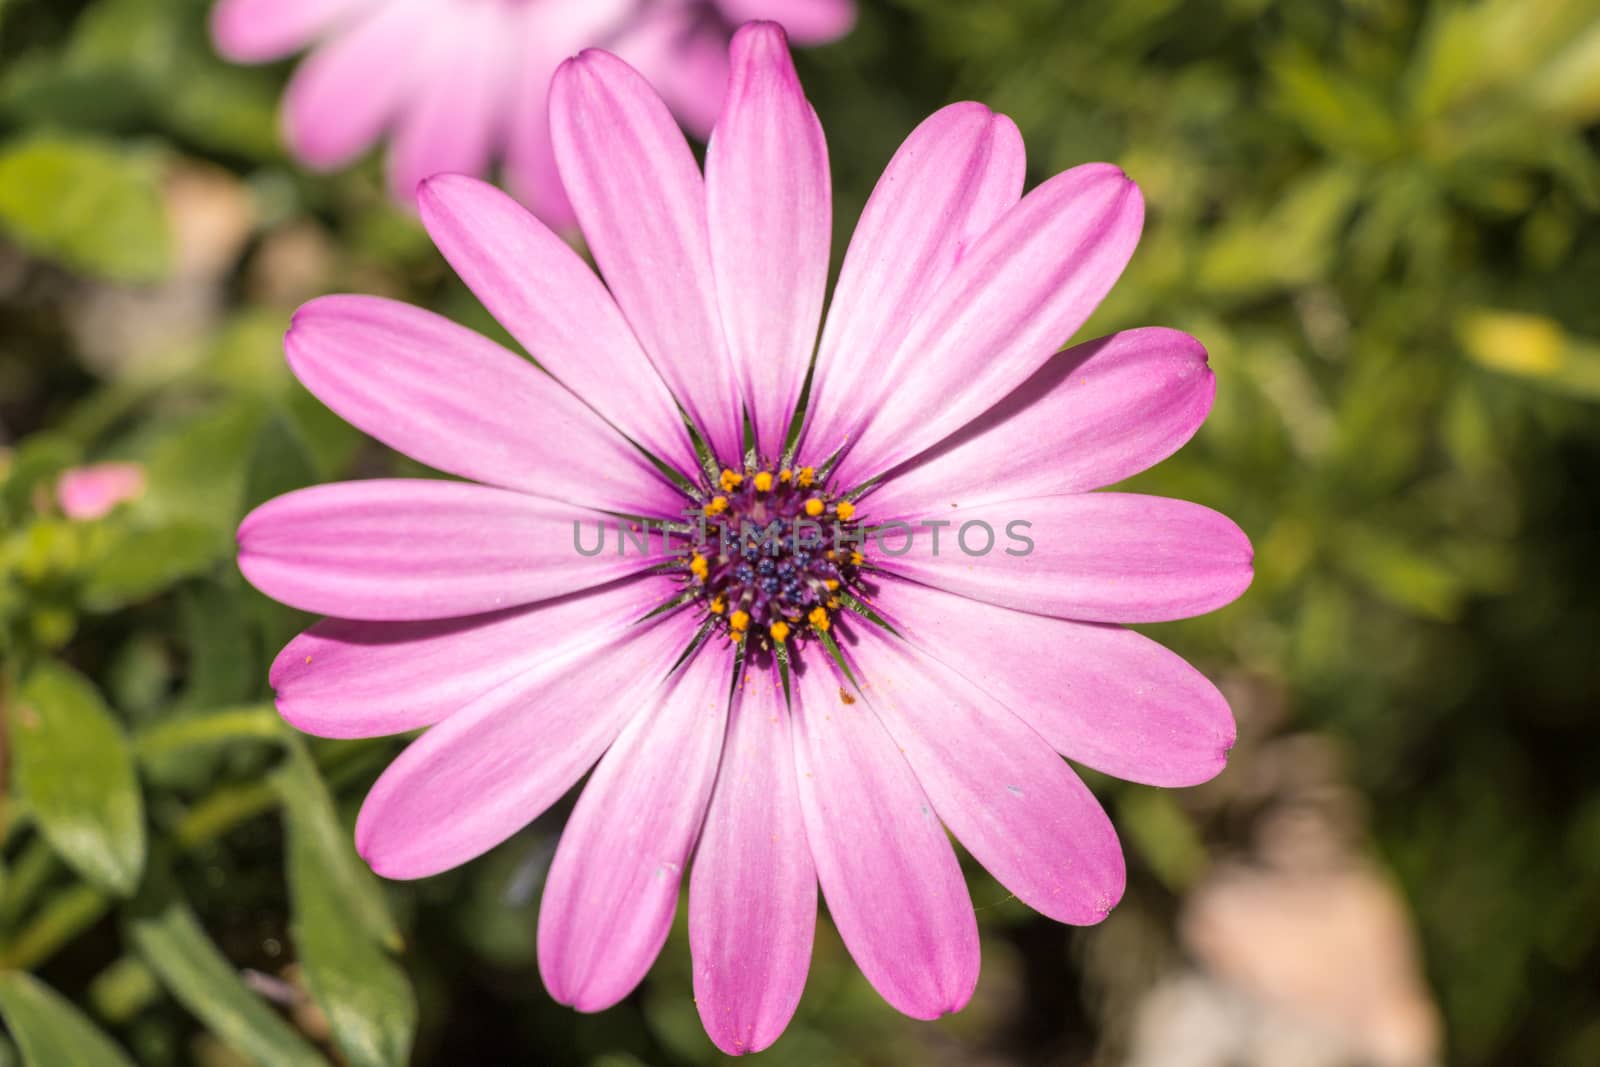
(309, 810)
(339, 917)
(74, 768)
(93, 206)
(1532, 347)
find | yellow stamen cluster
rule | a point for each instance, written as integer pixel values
(730, 480)
(763, 482)
(699, 567)
(779, 631)
(718, 505)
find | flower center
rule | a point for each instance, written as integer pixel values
(776, 555)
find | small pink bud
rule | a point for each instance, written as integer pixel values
(91, 492)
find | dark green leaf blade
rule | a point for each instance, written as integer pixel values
(49, 1031)
(170, 940)
(336, 904)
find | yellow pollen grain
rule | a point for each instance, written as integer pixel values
(718, 505)
(785, 475)
(736, 635)
(831, 583)
(779, 631)
(763, 482)
(833, 603)
(731, 480)
(831, 554)
(739, 621)
(845, 509)
(806, 476)
(699, 568)
(857, 558)
(718, 605)
(819, 620)
(814, 507)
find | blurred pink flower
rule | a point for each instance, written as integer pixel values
(710, 687)
(91, 492)
(458, 84)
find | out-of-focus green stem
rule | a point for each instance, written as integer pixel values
(25, 878)
(258, 723)
(222, 811)
(64, 917)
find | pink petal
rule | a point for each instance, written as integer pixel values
(771, 217)
(1014, 804)
(530, 165)
(1100, 557)
(456, 401)
(1018, 293)
(256, 31)
(340, 100)
(461, 98)
(1093, 415)
(807, 21)
(552, 303)
(684, 55)
(694, 82)
(640, 199)
(613, 888)
(890, 877)
(399, 549)
(494, 766)
(1104, 696)
(958, 172)
(753, 892)
(94, 491)
(347, 678)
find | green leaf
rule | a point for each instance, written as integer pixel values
(92, 206)
(75, 769)
(1346, 115)
(279, 463)
(169, 938)
(51, 1032)
(1284, 246)
(339, 920)
(144, 562)
(308, 808)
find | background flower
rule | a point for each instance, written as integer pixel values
(458, 85)
(91, 492)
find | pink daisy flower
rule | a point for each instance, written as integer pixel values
(458, 84)
(765, 721)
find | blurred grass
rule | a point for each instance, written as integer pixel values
(1379, 216)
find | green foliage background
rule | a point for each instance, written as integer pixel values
(1378, 215)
